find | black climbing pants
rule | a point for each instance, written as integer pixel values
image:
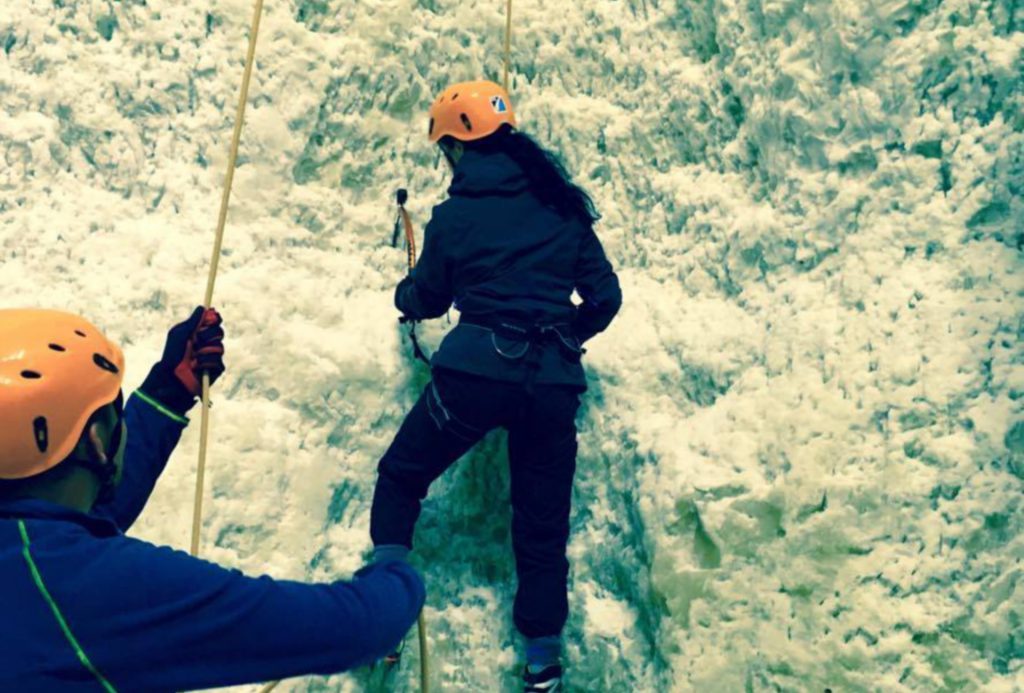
(454, 412)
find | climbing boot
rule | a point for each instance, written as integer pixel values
(547, 680)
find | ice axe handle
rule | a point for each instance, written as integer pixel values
(397, 232)
(401, 196)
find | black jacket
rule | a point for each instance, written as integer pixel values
(503, 258)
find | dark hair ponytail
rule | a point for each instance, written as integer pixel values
(549, 179)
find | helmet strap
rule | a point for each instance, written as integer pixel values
(105, 472)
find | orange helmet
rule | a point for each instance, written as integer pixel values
(56, 370)
(470, 111)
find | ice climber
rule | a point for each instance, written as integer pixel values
(509, 246)
(86, 608)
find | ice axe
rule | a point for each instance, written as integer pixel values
(404, 222)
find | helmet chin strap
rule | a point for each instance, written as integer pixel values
(452, 152)
(104, 464)
(105, 473)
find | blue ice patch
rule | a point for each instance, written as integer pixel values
(499, 104)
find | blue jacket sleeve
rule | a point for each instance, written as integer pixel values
(598, 286)
(153, 432)
(427, 292)
(189, 624)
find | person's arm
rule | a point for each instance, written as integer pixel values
(154, 416)
(427, 292)
(196, 625)
(598, 286)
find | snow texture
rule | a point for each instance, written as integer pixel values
(802, 456)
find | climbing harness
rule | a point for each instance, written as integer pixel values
(529, 341)
(403, 221)
(526, 335)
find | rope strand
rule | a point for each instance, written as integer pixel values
(197, 513)
(410, 242)
(508, 40)
(424, 662)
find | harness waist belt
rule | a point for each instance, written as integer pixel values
(534, 333)
(560, 334)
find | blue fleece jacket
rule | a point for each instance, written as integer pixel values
(86, 608)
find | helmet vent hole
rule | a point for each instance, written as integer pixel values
(57, 347)
(41, 433)
(31, 375)
(455, 97)
(103, 363)
(80, 333)
(465, 121)
(431, 130)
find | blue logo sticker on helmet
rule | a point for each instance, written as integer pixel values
(499, 104)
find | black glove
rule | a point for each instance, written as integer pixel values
(193, 346)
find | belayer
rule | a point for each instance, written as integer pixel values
(86, 608)
(509, 246)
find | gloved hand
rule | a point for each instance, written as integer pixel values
(192, 347)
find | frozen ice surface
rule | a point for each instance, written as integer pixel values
(802, 456)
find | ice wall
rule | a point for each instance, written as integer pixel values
(802, 456)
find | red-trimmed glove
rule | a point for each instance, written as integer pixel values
(198, 345)
(192, 347)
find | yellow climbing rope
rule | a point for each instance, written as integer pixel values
(197, 515)
(424, 666)
(410, 244)
(508, 41)
(204, 431)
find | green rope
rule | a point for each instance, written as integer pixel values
(82, 657)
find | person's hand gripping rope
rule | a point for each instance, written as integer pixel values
(193, 346)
